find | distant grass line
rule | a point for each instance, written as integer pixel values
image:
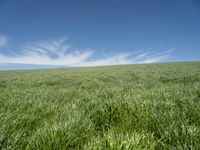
(147, 106)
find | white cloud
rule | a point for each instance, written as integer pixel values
(109, 60)
(3, 40)
(58, 52)
(152, 57)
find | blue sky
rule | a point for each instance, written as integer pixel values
(97, 32)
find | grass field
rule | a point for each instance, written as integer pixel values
(152, 106)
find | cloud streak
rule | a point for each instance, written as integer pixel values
(3, 40)
(58, 52)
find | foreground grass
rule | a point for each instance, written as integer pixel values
(155, 106)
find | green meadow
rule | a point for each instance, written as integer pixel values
(124, 107)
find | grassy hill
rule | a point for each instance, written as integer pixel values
(151, 106)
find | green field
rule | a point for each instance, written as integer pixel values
(151, 106)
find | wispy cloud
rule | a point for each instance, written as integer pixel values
(3, 40)
(58, 52)
(151, 57)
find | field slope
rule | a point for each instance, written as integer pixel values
(152, 106)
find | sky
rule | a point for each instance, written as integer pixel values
(76, 33)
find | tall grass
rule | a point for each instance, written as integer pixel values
(155, 106)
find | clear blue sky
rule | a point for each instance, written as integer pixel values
(98, 32)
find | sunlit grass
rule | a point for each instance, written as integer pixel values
(155, 106)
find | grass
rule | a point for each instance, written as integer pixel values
(152, 106)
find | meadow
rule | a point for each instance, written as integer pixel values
(125, 107)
